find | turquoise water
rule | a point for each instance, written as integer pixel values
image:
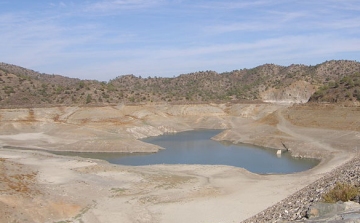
(196, 147)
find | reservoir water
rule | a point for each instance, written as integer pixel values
(196, 147)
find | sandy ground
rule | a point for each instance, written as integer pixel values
(40, 187)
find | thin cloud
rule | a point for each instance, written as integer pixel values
(266, 21)
(235, 4)
(62, 4)
(350, 5)
(277, 50)
(112, 5)
(243, 26)
(169, 37)
(351, 24)
(59, 4)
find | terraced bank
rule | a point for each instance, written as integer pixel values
(213, 193)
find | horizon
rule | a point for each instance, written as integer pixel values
(104, 39)
(178, 75)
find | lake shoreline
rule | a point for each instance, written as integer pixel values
(41, 187)
(72, 173)
(196, 147)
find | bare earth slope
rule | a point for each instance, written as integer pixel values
(39, 187)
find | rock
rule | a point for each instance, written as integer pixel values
(312, 213)
(324, 210)
(351, 205)
(357, 199)
(338, 212)
(353, 216)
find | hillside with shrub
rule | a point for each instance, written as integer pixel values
(25, 87)
(344, 89)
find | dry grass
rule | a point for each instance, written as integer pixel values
(16, 180)
(325, 116)
(270, 119)
(341, 192)
(169, 181)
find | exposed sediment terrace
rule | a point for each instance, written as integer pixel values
(164, 193)
(117, 128)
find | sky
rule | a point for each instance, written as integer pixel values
(104, 39)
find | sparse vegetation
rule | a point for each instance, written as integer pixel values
(341, 192)
(21, 87)
(88, 99)
(346, 88)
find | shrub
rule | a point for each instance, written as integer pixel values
(88, 99)
(341, 192)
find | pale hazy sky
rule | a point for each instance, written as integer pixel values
(103, 39)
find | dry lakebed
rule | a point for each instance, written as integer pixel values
(39, 186)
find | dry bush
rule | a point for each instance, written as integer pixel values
(341, 192)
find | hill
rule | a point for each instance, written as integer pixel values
(345, 89)
(268, 82)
